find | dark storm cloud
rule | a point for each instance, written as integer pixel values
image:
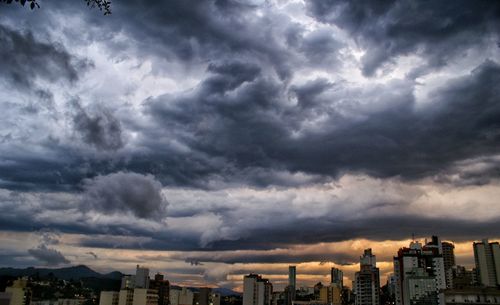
(249, 123)
(284, 232)
(48, 256)
(380, 131)
(92, 254)
(101, 129)
(25, 59)
(437, 30)
(262, 257)
(376, 228)
(122, 192)
(321, 48)
(191, 31)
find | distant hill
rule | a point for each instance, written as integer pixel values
(93, 279)
(225, 291)
(76, 273)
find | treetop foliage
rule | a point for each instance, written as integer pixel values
(102, 5)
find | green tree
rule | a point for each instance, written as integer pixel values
(102, 5)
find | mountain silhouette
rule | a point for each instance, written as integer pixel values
(66, 273)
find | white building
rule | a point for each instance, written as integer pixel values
(141, 277)
(256, 290)
(19, 293)
(109, 298)
(182, 296)
(367, 280)
(138, 296)
(144, 296)
(487, 259)
(420, 288)
(419, 264)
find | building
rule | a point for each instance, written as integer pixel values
(143, 296)
(174, 296)
(126, 297)
(391, 284)
(367, 280)
(128, 282)
(69, 301)
(417, 266)
(204, 296)
(472, 295)
(17, 294)
(347, 296)
(337, 277)
(331, 295)
(109, 298)
(448, 260)
(292, 276)
(141, 277)
(461, 278)
(215, 299)
(182, 296)
(487, 259)
(162, 286)
(420, 288)
(4, 298)
(291, 289)
(256, 290)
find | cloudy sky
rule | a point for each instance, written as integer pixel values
(209, 139)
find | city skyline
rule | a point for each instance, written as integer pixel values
(212, 139)
(308, 275)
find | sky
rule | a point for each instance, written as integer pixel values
(211, 139)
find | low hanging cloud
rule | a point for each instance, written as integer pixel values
(49, 256)
(26, 59)
(124, 192)
(99, 129)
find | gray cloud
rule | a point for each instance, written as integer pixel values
(48, 256)
(101, 129)
(387, 29)
(256, 127)
(246, 98)
(122, 192)
(28, 59)
(263, 257)
(92, 254)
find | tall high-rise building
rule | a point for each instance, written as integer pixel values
(448, 255)
(204, 296)
(487, 258)
(256, 290)
(292, 276)
(128, 282)
(449, 261)
(139, 280)
(419, 274)
(367, 280)
(141, 277)
(162, 286)
(291, 289)
(337, 277)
